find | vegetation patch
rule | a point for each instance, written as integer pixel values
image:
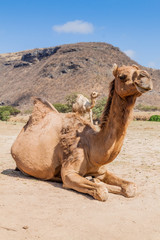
(62, 108)
(67, 106)
(7, 111)
(98, 109)
(70, 99)
(147, 108)
(155, 118)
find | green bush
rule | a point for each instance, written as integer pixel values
(7, 111)
(66, 107)
(5, 115)
(98, 109)
(63, 108)
(155, 118)
(70, 99)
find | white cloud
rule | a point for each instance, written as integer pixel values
(77, 26)
(130, 53)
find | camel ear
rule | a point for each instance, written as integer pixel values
(114, 69)
(135, 66)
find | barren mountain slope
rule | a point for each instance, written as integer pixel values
(54, 73)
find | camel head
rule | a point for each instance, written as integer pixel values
(94, 94)
(131, 80)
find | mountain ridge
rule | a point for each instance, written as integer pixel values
(55, 72)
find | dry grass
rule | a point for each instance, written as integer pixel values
(144, 116)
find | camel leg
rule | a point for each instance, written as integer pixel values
(127, 189)
(110, 188)
(90, 116)
(72, 180)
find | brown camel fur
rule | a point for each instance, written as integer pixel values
(83, 106)
(63, 147)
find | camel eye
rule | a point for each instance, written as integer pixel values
(123, 77)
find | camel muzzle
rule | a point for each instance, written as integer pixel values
(144, 84)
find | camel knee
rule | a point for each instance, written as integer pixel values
(67, 180)
(80, 184)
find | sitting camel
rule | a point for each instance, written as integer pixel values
(64, 147)
(82, 105)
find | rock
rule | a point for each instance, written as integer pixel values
(22, 64)
(29, 57)
(38, 55)
(74, 66)
(2, 103)
(25, 227)
(8, 63)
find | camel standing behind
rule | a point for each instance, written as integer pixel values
(63, 147)
(82, 105)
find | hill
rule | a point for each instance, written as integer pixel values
(55, 72)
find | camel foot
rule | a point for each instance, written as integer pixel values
(101, 192)
(130, 190)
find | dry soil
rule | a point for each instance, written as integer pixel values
(33, 209)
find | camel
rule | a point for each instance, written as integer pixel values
(82, 105)
(66, 148)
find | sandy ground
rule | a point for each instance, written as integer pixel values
(33, 209)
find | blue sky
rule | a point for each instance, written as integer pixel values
(131, 25)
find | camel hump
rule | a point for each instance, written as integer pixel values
(43, 105)
(40, 110)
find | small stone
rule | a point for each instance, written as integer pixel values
(25, 227)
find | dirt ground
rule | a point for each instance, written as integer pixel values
(33, 209)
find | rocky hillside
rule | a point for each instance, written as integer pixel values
(53, 73)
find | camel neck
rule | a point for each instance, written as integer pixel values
(114, 126)
(119, 114)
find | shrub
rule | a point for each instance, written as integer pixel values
(5, 115)
(98, 109)
(70, 99)
(63, 108)
(7, 111)
(155, 118)
(67, 107)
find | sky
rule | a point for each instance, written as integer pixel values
(131, 25)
